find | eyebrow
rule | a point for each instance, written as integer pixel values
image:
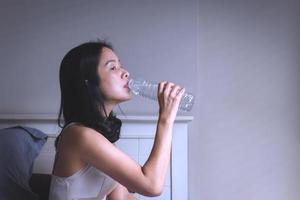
(109, 61)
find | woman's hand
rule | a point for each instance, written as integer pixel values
(169, 96)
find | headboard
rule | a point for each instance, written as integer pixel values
(137, 135)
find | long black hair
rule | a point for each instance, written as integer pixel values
(81, 98)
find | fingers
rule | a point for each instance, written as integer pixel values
(180, 93)
(175, 91)
(170, 90)
(161, 87)
(169, 97)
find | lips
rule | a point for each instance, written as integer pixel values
(126, 86)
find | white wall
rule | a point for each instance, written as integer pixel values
(153, 40)
(248, 137)
(240, 59)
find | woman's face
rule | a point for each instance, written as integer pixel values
(114, 78)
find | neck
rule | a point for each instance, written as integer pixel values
(108, 108)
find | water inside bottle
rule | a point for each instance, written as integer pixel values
(148, 89)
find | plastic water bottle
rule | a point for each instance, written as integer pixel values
(148, 89)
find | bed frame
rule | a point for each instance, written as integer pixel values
(136, 140)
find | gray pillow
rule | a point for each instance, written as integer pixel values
(19, 147)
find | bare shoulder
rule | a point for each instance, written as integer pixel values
(79, 137)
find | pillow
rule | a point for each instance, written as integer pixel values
(19, 147)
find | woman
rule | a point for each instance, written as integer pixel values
(87, 164)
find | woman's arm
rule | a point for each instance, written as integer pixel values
(169, 96)
(147, 180)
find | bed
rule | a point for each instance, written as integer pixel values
(137, 137)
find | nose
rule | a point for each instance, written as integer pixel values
(126, 74)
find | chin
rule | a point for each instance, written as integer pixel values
(126, 98)
(129, 97)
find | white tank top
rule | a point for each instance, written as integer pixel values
(88, 183)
